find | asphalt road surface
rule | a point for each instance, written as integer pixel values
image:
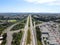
(32, 32)
(23, 40)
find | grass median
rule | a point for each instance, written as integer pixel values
(28, 37)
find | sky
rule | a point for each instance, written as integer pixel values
(36, 6)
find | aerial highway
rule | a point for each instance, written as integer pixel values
(23, 40)
(32, 32)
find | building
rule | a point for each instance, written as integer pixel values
(49, 35)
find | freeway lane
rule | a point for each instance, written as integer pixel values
(32, 32)
(23, 40)
(24, 37)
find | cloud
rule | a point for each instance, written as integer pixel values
(40, 1)
(50, 2)
(39, 10)
(57, 2)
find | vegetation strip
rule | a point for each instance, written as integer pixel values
(4, 26)
(4, 39)
(38, 36)
(28, 37)
(17, 38)
(19, 26)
